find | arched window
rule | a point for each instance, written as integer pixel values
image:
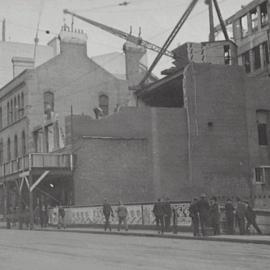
(15, 146)
(8, 113)
(104, 104)
(8, 150)
(22, 105)
(15, 109)
(23, 144)
(48, 103)
(11, 111)
(1, 118)
(1, 151)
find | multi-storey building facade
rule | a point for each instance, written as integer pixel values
(249, 29)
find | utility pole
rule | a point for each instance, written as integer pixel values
(211, 20)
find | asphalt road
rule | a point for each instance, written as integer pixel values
(37, 250)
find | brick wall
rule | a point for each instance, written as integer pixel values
(215, 101)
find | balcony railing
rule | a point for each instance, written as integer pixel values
(36, 160)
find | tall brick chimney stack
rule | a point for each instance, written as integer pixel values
(72, 41)
(136, 63)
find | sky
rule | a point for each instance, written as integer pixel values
(155, 17)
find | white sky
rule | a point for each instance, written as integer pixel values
(156, 17)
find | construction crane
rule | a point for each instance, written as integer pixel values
(127, 36)
(176, 29)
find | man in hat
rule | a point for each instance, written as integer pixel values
(194, 214)
(107, 212)
(240, 215)
(203, 208)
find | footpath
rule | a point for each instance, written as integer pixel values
(248, 239)
(245, 239)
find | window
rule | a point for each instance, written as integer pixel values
(1, 118)
(19, 106)
(227, 55)
(48, 104)
(104, 104)
(1, 152)
(264, 14)
(265, 53)
(23, 144)
(262, 121)
(8, 150)
(244, 26)
(254, 19)
(49, 136)
(22, 105)
(15, 146)
(15, 109)
(262, 175)
(38, 140)
(8, 113)
(256, 57)
(11, 111)
(246, 61)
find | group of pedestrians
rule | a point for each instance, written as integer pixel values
(163, 212)
(205, 214)
(121, 212)
(242, 215)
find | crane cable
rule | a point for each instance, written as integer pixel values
(37, 29)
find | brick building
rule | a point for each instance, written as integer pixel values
(201, 129)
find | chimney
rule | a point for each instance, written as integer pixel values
(21, 63)
(136, 63)
(72, 41)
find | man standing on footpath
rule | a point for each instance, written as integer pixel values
(168, 214)
(251, 219)
(240, 215)
(122, 216)
(194, 214)
(215, 215)
(203, 208)
(61, 217)
(159, 215)
(229, 214)
(107, 212)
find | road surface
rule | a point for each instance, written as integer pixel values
(21, 250)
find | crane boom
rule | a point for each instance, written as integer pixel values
(121, 34)
(169, 40)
